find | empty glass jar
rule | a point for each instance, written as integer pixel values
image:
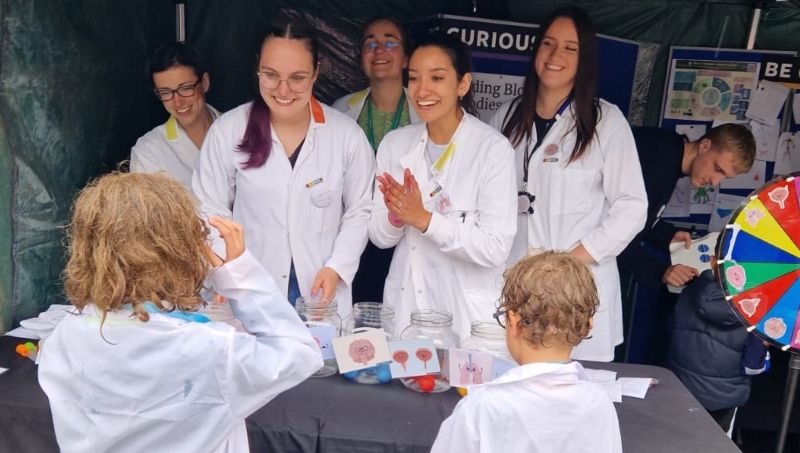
(325, 324)
(371, 315)
(435, 325)
(488, 337)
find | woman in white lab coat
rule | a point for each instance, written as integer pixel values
(295, 173)
(384, 57)
(379, 109)
(445, 196)
(579, 183)
(180, 81)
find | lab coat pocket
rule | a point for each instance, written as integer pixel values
(327, 200)
(575, 188)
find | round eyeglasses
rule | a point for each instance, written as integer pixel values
(500, 316)
(372, 46)
(271, 81)
(184, 91)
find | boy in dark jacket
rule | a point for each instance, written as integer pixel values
(710, 350)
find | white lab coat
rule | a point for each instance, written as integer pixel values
(534, 408)
(457, 264)
(172, 385)
(598, 201)
(352, 104)
(167, 148)
(316, 213)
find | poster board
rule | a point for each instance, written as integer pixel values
(705, 87)
(501, 57)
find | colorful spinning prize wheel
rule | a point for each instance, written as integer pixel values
(759, 262)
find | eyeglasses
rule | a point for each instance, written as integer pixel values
(271, 81)
(372, 46)
(184, 91)
(500, 316)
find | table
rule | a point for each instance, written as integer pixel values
(334, 415)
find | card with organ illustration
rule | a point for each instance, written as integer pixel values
(469, 367)
(759, 262)
(413, 358)
(361, 350)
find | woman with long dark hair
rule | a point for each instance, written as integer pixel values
(295, 173)
(445, 196)
(579, 182)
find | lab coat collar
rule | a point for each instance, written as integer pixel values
(415, 160)
(172, 126)
(567, 373)
(355, 103)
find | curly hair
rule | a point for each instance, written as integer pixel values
(554, 296)
(135, 238)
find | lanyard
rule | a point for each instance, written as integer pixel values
(398, 112)
(529, 151)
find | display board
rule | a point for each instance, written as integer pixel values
(706, 87)
(501, 57)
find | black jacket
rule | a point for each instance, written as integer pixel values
(707, 340)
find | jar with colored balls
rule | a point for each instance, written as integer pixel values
(488, 337)
(371, 315)
(325, 324)
(435, 325)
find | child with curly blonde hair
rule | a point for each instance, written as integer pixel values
(136, 367)
(547, 305)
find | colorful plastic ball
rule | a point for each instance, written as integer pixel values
(426, 383)
(384, 374)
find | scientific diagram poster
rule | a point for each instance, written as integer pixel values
(705, 90)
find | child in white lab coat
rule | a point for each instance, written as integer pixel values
(136, 358)
(547, 402)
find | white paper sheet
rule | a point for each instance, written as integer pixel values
(767, 102)
(724, 205)
(766, 137)
(3, 370)
(678, 204)
(601, 375)
(635, 387)
(787, 159)
(691, 131)
(718, 122)
(613, 390)
(754, 178)
(702, 199)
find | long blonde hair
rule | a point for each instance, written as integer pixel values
(135, 238)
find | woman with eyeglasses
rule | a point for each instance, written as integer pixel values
(444, 196)
(180, 82)
(296, 174)
(580, 186)
(378, 109)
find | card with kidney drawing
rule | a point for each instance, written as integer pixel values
(361, 350)
(413, 358)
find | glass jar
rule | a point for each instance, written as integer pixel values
(488, 337)
(325, 324)
(371, 315)
(435, 325)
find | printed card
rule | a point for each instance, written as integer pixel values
(322, 333)
(469, 367)
(413, 358)
(361, 350)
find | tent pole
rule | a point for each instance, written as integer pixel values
(751, 37)
(180, 22)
